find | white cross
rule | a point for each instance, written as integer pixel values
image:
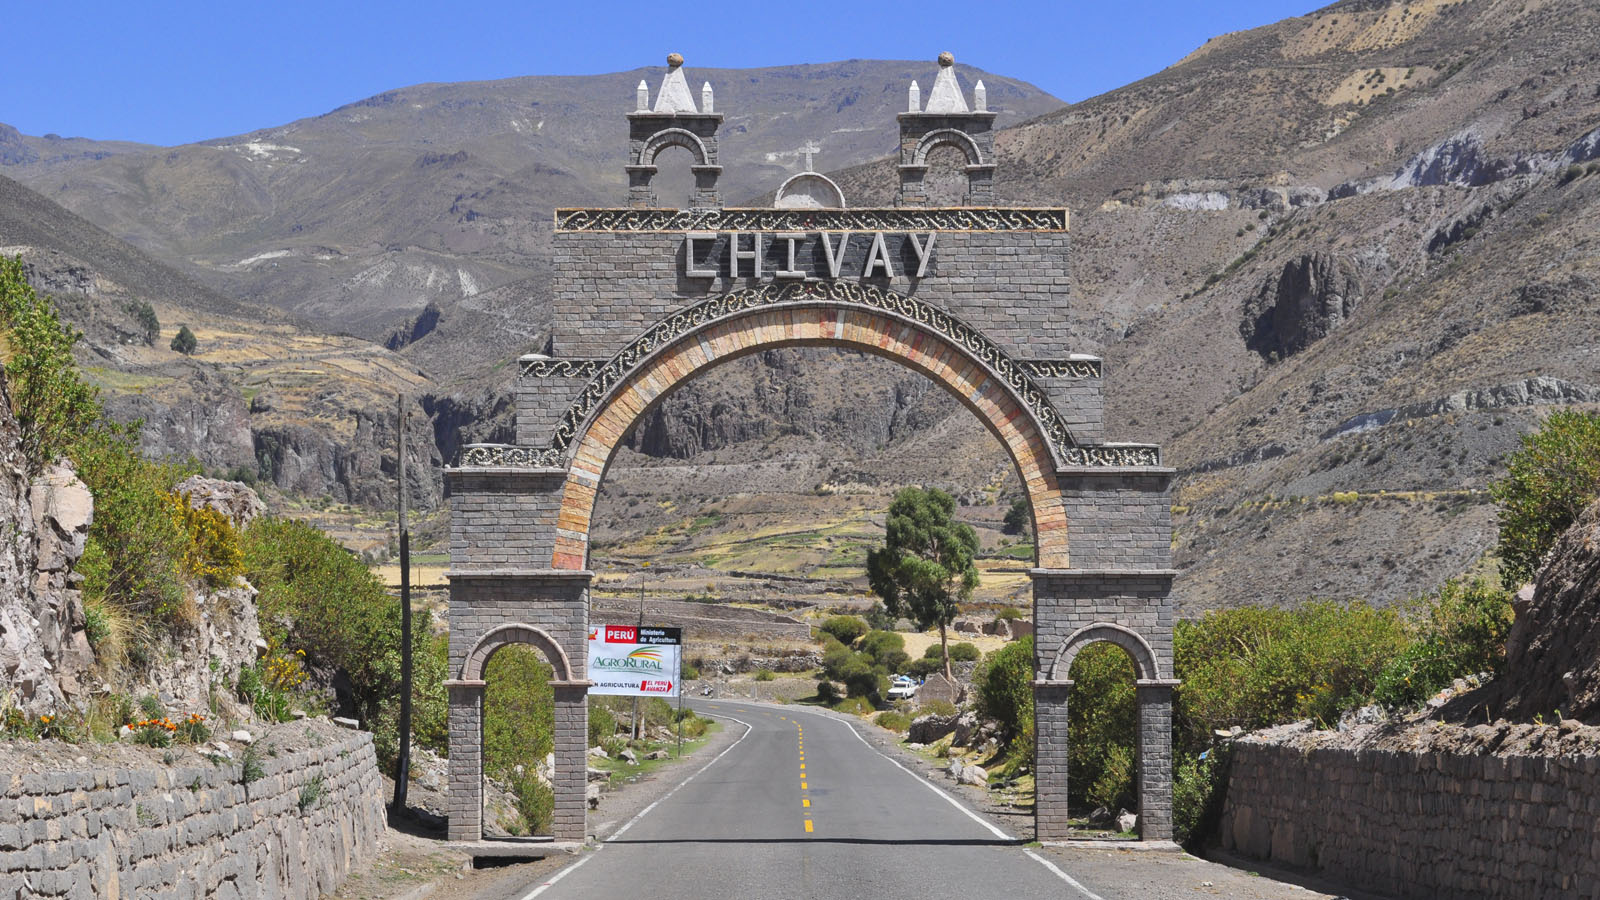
(810, 148)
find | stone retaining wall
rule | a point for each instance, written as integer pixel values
(702, 621)
(1420, 823)
(194, 830)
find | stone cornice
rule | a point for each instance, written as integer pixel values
(980, 219)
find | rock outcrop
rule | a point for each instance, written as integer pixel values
(1307, 299)
(1553, 651)
(44, 522)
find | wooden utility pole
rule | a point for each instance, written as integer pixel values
(402, 763)
(637, 731)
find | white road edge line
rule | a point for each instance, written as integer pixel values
(993, 829)
(630, 823)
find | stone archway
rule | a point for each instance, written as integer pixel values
(638, 309)
(1153, 695)
(466, 688)
(992, 386)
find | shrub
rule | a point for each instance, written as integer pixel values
(861, 678)
(764, 675)
(211, 550)
(1010, 613)
(1004, 683)
(311, 792)
(925, 666)
(892, 720)
(518, 712)
(690, 671)
(602, 724)
(845, 629)
(535, 803)
(1019, 518)
(1102, 717)
(937, 707)
(1113, 784)
(137, 544)
(250, 769)
(53, 404)
(1463, 631)
(317, 596)
(877, 643)
(964, 652)
(827, 691)
(855, 706)
(1547, 484)
(691, 725)
(878, 617)
(655, 711)
(1254, 667)
(1198, 789)
(192, 730)
(145, 315)
(184, 341)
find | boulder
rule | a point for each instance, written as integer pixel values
(236, 501)
(928, 728)
(591, 795)
(938, 687)
(628, 756)
(973, 775)
(592, 775)
(966, 729)
(598, 753)
(1126, 821)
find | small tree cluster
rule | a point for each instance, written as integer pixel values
(925, 568)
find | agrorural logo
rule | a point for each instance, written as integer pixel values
(642, 658)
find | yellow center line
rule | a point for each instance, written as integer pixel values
(802, 765)
(802, 785)
(808, 826)
(806, 802)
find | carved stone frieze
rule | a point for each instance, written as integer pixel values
(507, 456)
(1061, 368)
(1130, 455)
(1018, 375)
(560, 368)
(953, 219)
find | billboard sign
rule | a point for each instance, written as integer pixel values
(635, 661)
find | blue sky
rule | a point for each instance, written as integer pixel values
(173, 72)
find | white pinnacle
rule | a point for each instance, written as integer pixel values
(642, 97)
(915, 98)
(707, 105)
(980, 96)
(674, 96)
(946, 94)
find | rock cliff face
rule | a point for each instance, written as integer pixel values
(1553, 652)
(44, 521)
(1308, 298)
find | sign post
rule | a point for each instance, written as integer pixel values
(635, 660)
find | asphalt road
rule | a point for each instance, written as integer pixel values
(802, 807)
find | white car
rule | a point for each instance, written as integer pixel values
(903, 688)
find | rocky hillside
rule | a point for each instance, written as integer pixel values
(263, 397)
(356, 219)
(1335, 264)
(1553, 652)
(44, 651)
